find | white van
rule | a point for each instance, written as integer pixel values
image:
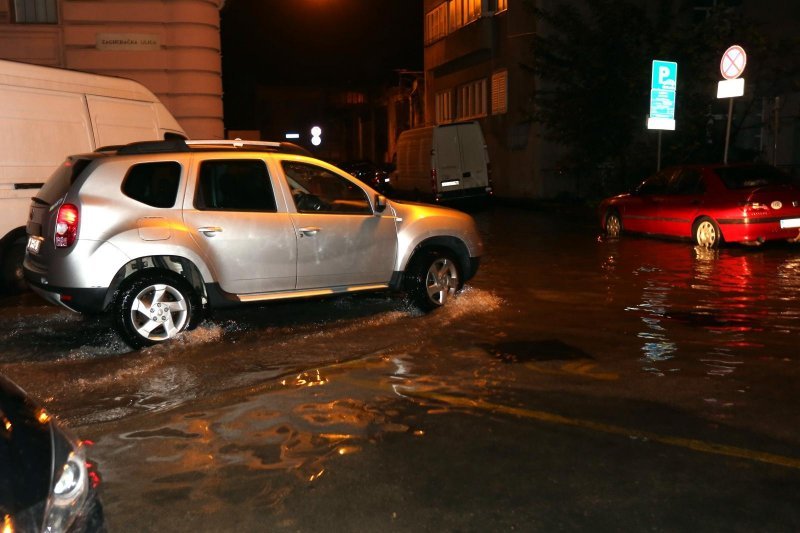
(48, 113)
(447, 162)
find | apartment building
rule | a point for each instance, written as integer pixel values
(473, 51)
(170, 46)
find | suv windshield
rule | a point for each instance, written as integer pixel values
(752, 176)
(60, 181)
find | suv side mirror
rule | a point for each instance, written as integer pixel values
(380, 203)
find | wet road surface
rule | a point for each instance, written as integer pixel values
(576, 384)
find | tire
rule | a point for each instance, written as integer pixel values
(613, 225)
(13, 279)
(433, 278)
(705, 233)
(154, 307)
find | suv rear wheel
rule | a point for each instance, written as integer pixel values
(153, 307)
(433, 278)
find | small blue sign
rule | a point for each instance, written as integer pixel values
(664, 82)
(665, 75)
(662, 104)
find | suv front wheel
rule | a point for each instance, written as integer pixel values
(153, 307)
(433, 278)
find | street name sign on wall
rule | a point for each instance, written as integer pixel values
(663, 86)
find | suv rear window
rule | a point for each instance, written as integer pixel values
(154, 184)
(62, 178)
(234, 185)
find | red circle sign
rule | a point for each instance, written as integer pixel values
(733, 62)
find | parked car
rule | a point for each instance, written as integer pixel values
(46, 483)
(710, 204)
(374, 175)
(156, 233)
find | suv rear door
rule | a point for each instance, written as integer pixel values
(232, 215)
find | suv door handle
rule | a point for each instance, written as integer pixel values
(210, 231)
(309, 231)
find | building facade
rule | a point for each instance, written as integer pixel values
(172, 47)
(473, 51)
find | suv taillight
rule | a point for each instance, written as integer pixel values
(66, 225)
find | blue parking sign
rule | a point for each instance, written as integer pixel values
(665, 75)
(664, 82)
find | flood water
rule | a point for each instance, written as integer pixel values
(555, 309)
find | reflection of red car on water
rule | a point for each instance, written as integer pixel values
(745, 203)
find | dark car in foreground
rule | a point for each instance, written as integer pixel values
(46, 483)
(710, 204)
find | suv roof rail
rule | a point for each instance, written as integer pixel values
(269, 146)
(153, 147)
(182, 145)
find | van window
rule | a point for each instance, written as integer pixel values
(234, 185)
(154, 184)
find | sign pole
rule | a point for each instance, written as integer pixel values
(728, 131)
(658, 162)
(731, 67)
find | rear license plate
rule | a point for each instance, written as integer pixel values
(34, 244)
(790, 223)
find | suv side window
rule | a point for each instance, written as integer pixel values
(234, 185)
(154, 184)
(318, 190)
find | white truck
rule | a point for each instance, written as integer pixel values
(48, 113)
(447, 162)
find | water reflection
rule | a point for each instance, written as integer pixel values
(715, 308)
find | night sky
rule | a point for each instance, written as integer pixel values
(352, 43)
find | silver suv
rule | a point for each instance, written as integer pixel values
(157, 233)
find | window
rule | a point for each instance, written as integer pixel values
(688, 181)
(234, 185)
(318, 190)
(35, 12)
(746, 177)
(154, 184)
(500, 92)
(472, 100)
(657, 184)
(449, 16)
(502, 5)
(436, 23)
(444, 106)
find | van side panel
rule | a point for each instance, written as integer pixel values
(414, 161)
(117, 121)
(38, 129)
(447, 158)
(474, 159)
(166, 122)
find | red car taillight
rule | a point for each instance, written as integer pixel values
(66, 226)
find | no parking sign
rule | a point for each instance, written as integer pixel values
(731, 66)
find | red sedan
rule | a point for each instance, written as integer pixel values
(745, 203)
